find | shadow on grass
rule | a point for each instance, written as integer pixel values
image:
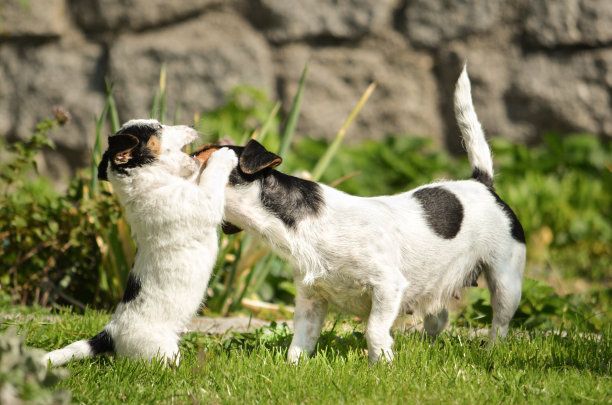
(524, 350)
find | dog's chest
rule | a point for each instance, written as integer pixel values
(349, 295)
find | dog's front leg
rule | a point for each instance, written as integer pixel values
(215, 177)
(310, 311)
(386, 302)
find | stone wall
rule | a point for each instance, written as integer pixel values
(535, 65)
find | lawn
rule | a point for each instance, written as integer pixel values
(532, 366)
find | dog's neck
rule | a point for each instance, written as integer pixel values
(244, 209)
(155, 185)
(287, 212)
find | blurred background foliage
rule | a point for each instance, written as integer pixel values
(75, 248)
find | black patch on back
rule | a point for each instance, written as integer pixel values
(131, 289)
(101, 343)
(482, 177)
(443, 210)
(515, 226)
(290, 198)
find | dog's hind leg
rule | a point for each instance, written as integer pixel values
(504, 280)
(435, 323)
(386, 303)
(310, 311)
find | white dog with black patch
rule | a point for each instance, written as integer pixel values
(381, 256)
(174, 209)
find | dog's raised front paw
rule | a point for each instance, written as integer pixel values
(224, 157)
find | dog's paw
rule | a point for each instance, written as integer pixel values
(225, 158)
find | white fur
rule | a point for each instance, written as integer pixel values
(377, 257)
(174, 221)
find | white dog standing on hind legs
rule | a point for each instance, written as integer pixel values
(381, 256)
(174, 209)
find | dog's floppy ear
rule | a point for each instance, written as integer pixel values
(254, 158)
(102, 167)
(120, 148)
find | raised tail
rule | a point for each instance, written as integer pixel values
(101, 343)
(473, 136)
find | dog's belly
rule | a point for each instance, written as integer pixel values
(350, 296)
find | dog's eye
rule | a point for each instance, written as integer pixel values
(159, 126)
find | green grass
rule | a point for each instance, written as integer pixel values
(530, 367)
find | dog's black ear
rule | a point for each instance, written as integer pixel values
(102, 167)
(229, 229)
(254, 158)
(120, 147)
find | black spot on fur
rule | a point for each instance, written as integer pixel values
(101, 343)
(515, 226)
(443, 210)
(131, 289)
(290, 198)
(482, 177)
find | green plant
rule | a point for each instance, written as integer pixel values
(543, 309)
(47, 241)
(24, 377)
(561, 191)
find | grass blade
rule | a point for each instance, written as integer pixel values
(287, 134)
(112, 109)
(333, 148)
(158, 109)
(261, 134)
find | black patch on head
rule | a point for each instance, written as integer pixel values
(443, 210)
(131, 289)
(515, 226)
(101, 343)
(482, 177)
(140, 155)
(290, 198)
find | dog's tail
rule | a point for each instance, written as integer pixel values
(101, 343)
(473, 136)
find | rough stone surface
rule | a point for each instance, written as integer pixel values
(35, 78)
(283, 20)
(34, 18)
(431, 23)
(200, 72)
(553, 24)
(403, 101)
(520, 96)
(221, 326)
(123, 15)
(535, 65)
